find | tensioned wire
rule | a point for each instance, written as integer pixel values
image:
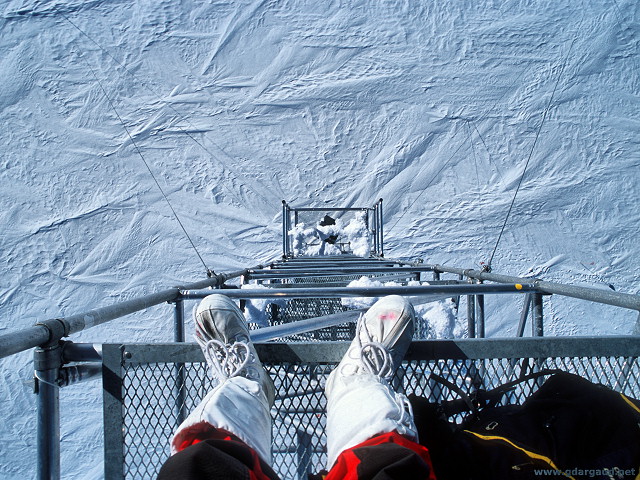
(535, 141)
(135, 145)
(159, 97)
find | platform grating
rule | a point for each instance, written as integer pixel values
(150, 394)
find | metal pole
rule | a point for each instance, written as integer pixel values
(47, 363)
(303, 452)
(284, 228)
(179, 336)
(178, 320)
(381, 228)
(289, 252)
(456, 298)
(538, 330)
(480, 316)
(375, 229)
(524, 315)
(369, 230)
(471, 316)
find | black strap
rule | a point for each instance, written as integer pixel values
(482, 398)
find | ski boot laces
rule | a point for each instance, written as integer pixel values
(227, 361)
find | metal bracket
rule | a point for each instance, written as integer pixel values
(47, 358)
(57, 328)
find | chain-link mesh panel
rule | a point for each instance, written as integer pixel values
(324, 281)
(152, 400)
(301, 309)
(152, 407)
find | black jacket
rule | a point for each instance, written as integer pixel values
(568, 428)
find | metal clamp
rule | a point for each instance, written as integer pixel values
(57, 328)
(47, 358)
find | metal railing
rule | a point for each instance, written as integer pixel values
(54, 359)
(372, 216)
(142, 406)
(51, 355)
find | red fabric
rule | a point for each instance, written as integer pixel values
(347, 463)
(255, 469)
(208, 434)
(345, 468)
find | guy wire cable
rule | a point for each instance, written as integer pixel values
(164, 102)
(535, 141)
(111, 104)
(515, 81)
(475, 161)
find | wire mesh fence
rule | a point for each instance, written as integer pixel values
(155, 393)
(289, 311)
(301, 309)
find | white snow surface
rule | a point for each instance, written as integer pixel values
(255, 310)
(351, 238)
(434, 318)
(435, 107)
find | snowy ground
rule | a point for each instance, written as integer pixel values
(236, 105)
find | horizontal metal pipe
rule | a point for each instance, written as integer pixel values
(341, 257)
(331, 271)
(493, 277)
(81, 352)
(339, 292)
(345, 257)
(82, 321)
(218, 279)
(321, 284)
(302, 326)
(337, 263)
(297, 261)
(15, 342)
(79, 373)
(329, 209)
(608, 297)
(98, 316)
(392, 277)
(358, 274)
(624, 300)
(21, 340)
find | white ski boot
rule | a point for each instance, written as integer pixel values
(240, 403)
(360, 402)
